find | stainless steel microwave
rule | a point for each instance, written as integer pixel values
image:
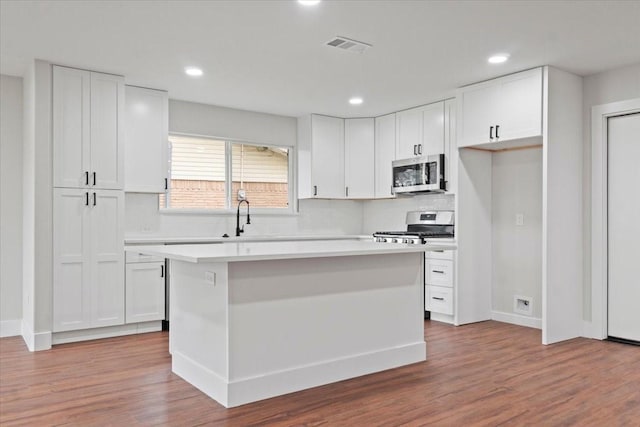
(419, 175)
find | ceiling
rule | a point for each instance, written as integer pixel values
(270, 56)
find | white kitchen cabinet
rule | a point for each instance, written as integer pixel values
(88, 258)
(146, 140)
(385, 153)
(359, 160)
(501, 110)
(87, 129)
(420, 131)
(440, 284)
(145, 285)
(321, 157)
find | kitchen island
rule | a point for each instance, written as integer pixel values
(255, 320)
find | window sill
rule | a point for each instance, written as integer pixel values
(225, 212)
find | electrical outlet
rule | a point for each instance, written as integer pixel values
(519, 219)
(210, 277)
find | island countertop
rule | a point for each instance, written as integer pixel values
(259, 251)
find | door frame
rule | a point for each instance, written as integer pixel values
(599, 208)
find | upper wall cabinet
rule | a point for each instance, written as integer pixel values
(87, 129)
(321, 157)
(146, 140)
(420, 131)
(501, 110)
(359, 158)
(385, 153)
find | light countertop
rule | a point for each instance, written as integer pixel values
(271, 250)
(152, 240)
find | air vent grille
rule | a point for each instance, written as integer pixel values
(348, 44)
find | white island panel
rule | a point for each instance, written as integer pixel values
(271, 327)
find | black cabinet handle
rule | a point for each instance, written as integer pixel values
(94, 199)
(491, 132)
(438, 271)
(419, 148)
(86, 198)
(497, 127)
(315, 190)
(86, 178)
(438, 298)
(94, 178)
(346, 191)
(415, 150)
(166, 184)
(162, 271)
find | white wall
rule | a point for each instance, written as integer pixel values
(517, 250)
(611, 86)
(10, 205)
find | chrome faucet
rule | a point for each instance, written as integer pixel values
(238, 229)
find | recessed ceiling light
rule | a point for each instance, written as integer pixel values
(355, 100)
(193, 71)
(309, 2)
(499, 58)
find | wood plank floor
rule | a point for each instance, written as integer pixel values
(487, 373)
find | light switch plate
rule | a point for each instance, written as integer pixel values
(210, 277)
(519, 219)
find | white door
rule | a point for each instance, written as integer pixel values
(71, 127)
(521, 106)
(409, 132)
(327, 154)
(71, 266)
(107, 131)
(145, 292)
(107, 257)
(385, 153)
(359, 158)
(146, 140)
(433, 129)
(623, 227)
(478, 108)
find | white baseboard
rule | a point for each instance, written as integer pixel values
(247, 390)
(106, 332)
(35, 341)
(445, 318)
(10, 328)
(517, 319)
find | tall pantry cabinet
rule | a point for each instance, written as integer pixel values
(88, 199)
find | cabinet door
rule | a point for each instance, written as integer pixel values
(359, 158)
(327, 156)
(521, 105)
(107, 257)
(71, 274)
(146, 140)
(71, 127)
(107, 131)
(385, 153)
(478, 106)
(432, 129)
(144, 292)
(409, 128)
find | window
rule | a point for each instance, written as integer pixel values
(208, 173)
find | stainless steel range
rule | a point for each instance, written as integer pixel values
(423, 227)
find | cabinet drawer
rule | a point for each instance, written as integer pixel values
(438, 299)
(439, 254)
(138, 257)
(439, 272)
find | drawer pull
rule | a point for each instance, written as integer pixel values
(438, 298)
(437, 271)
(439, 250)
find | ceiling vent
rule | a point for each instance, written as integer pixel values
(348, 44)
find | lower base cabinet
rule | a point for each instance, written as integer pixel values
(145, 288)
(439, 283)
